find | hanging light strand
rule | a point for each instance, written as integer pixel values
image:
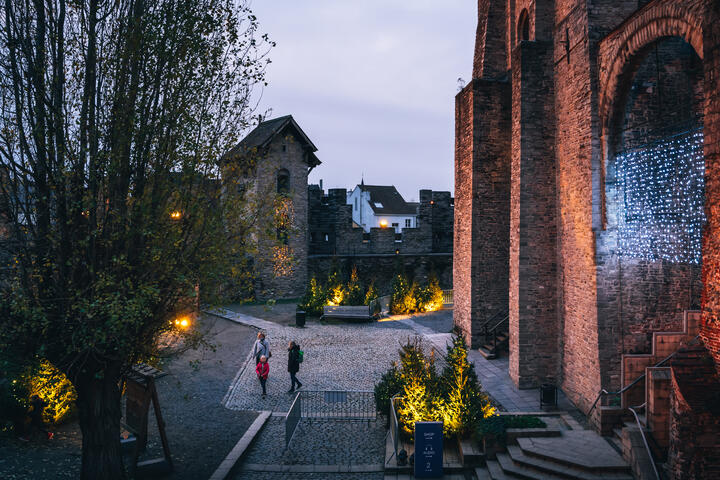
(661, 190)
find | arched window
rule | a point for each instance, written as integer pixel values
(523, 29)
(283, 181)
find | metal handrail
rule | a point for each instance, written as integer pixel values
(394, 425)
(493, 330)
(642, 433)
(634, 382)
(494, 317)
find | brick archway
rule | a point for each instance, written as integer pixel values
(620, 52)
(618, 56)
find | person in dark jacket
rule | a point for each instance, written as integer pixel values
(293, 365)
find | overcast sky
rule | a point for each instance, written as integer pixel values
(372, 83)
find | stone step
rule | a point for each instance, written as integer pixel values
(481, 473)
(514, 470)
(496, 471)
(580, 449)
(487, 353)
(522, 460)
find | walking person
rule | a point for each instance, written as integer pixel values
(262, 369)
(295, 358)
(261, 347)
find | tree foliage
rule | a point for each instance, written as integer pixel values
(113, 119)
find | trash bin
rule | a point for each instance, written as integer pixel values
(300, 318)
(548, 395)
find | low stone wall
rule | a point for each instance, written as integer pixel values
(381, 268)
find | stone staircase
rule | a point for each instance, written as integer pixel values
(652, 395)
(496, 334)
(577, 454)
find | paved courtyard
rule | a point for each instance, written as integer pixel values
(336, 357)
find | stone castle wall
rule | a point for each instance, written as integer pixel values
(575, 97)
(281, 270)
(379, 254)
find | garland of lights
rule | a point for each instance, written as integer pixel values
(662, 193)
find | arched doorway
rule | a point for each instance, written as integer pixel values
(655, 105)
(655, 193)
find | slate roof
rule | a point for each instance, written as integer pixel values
(392, 202)
(263, 134)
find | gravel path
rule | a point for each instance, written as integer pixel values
(200, 430)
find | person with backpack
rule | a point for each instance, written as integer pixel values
(262, 369)
(261, 347)
(295, 358)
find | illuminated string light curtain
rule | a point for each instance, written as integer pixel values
(661, 188)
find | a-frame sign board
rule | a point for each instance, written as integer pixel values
(139, 392)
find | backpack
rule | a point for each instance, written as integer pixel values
(300, 356)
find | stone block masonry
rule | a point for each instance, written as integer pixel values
(534, 357)
(380, 254)
(482, 203)
(559, 89)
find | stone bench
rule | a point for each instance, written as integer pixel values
(361, 312)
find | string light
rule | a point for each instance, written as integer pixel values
(661, 189)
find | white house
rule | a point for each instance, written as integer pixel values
(381, 206)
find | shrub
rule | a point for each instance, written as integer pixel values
(419, 381)
(455, 397)
(430, 297)
(22, 381)
(314, 299)
(355, 294)
(54, 388)
(463, 404)
(335, 289)
(371, 297)
(522, 421)
(402, 299)
(390, 384)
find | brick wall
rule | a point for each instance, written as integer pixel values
(711, 243)
(482, 204)
(576, 152)
(381, 268)
(695, 417)
(534, 357)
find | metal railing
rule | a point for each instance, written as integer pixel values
(604, 392)
(492, 330)
(292, 419)
(338, 405)
(644, 438)
(448, 298)
(394, 425)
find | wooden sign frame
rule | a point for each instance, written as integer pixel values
(140, 391)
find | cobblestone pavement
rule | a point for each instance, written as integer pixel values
(336, 357)
(307, 476)
(319, 442)
(201, 432)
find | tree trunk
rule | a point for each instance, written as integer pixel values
(99, 412)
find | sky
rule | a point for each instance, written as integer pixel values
(372, 83)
